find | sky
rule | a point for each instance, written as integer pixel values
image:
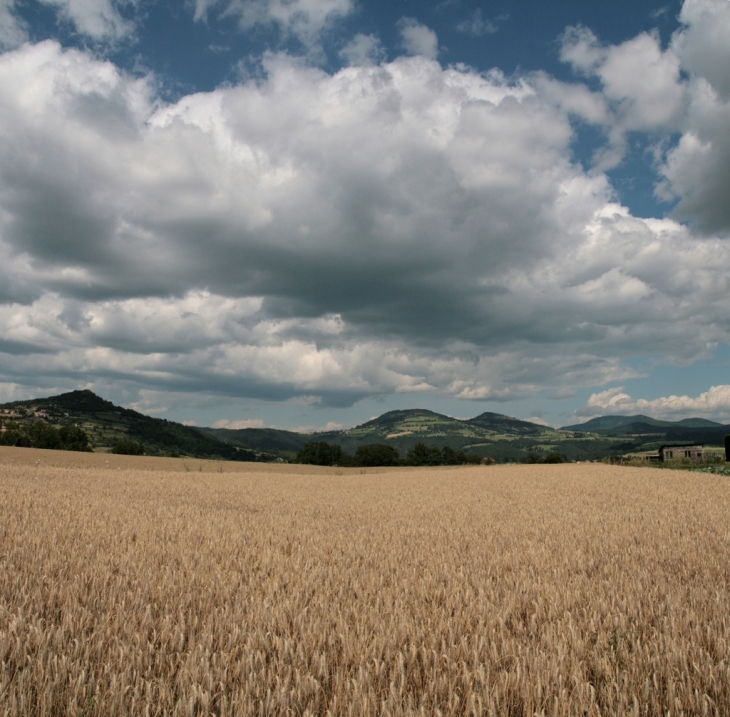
(305, 213)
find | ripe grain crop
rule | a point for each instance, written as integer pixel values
(545, 589)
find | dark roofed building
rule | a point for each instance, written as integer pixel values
(693, 452)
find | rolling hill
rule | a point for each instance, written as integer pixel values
(490, 434)
(106, 423)
(603, 424)
(493, 434)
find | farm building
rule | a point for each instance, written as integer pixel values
(694, 452)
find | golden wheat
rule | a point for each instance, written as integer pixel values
(555, 590)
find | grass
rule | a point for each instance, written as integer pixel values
(132, 585)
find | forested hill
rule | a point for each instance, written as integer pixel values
(106, 424)
(490, 434)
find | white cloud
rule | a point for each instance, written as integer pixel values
(391, 228)
(363, 50)
(714, 403)
(697, 170)
(477, 25)
(304, 19)
(237, 425)
(98, 19)
(645, 89)
(12, 28)
(418, 39)
(640, 82)
(703, 44)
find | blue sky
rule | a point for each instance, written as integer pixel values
(303, 213)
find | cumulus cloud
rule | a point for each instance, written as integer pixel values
(12, 28)
(713, 403)
(237, 425)
(304, 19)
(641, 83)
(703, 43)
(697, 170)
(477, 25)
(363, 50)
(683, 88)
(397, 227)
(98, 19)
(418, 39)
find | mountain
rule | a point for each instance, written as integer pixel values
(498, 423)
(271, 440)
(105, 424)
(606, 424)
(490, 434)
(493, 434)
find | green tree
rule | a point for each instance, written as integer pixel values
(376, 454)
(423, 455)
(450, 457)
(74, 438)
(554, 457)
(126, 447)
(320, 454)
(43, 435)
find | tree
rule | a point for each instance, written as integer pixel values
(74, 438)
(450, 457)
(376, 454)
(422, 455)
(320, 454)
(126, 447)
(43, 435)
(10, 435)
(554, 457)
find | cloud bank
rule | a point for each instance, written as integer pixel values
(393, 227)
(715, 402)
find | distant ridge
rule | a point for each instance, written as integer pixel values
(489, 434)
(609, 423)
(501, 437)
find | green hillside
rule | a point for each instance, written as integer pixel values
(105, 424)
(489, 434)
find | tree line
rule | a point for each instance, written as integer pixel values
(43, 435)
(370, 455)
(553, 457)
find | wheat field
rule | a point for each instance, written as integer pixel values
(133, 586)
